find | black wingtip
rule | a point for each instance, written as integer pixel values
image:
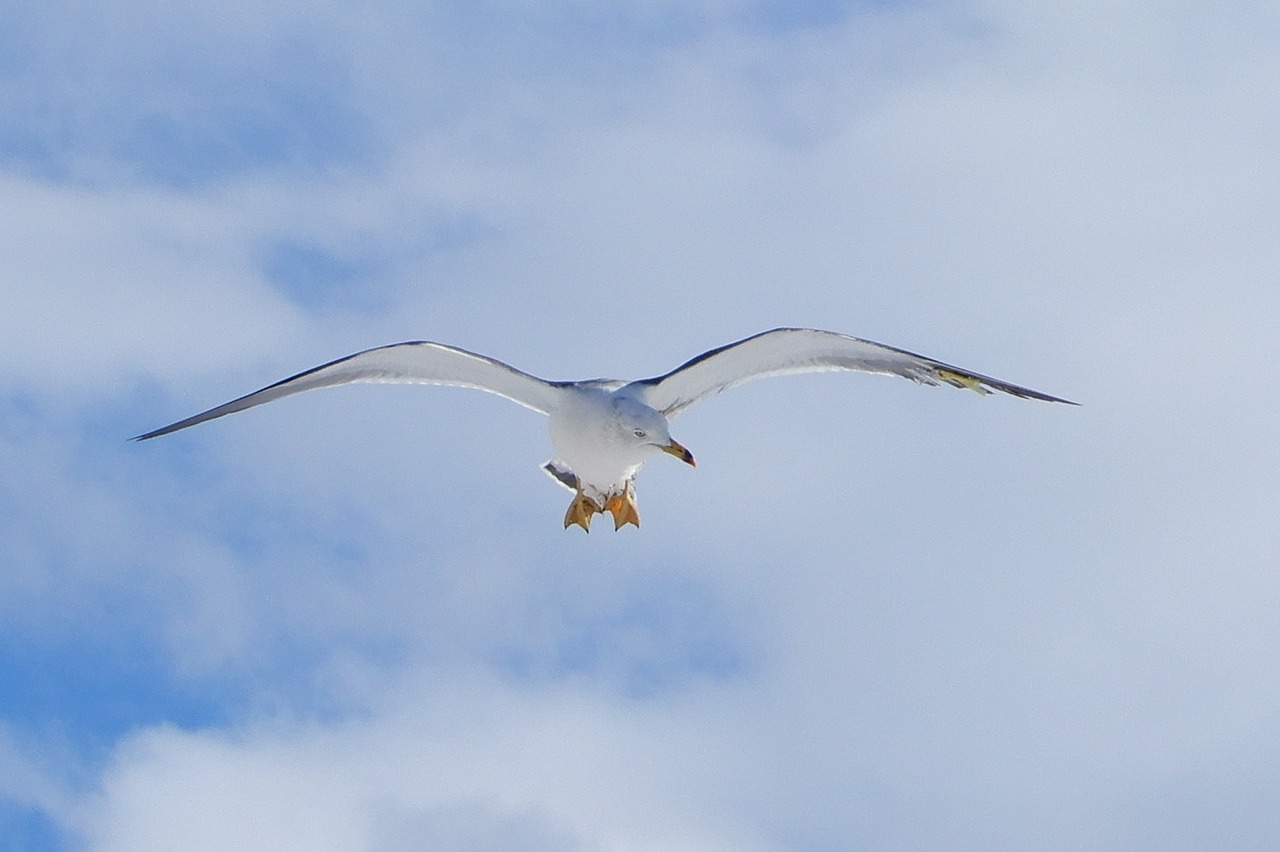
(1044, 397)
(155, 433)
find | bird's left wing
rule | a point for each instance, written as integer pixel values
(805, 350)
(421, 362)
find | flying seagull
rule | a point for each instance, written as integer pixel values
(604, 430)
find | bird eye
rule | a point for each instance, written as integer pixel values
(640, 433)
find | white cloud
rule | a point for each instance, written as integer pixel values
(876, 615)
(440, 768)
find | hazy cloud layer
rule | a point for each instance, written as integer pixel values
(875, 616)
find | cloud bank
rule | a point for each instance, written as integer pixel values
(876, 616)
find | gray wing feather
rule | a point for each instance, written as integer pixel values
(784, 351)
(421, 362)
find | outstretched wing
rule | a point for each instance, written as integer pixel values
(805, 350)
(421, 362)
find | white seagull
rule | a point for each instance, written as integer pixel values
(604, 430)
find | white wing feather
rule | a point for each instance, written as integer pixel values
(421, 362)
(784, 351)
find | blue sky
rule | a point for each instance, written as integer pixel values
(876, 616)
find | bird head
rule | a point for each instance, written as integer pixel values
(647, 431)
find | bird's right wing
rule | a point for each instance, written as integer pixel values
(420, 362)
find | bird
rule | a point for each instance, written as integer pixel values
(604, 430)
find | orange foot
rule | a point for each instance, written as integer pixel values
(623, 508)
(580, 511)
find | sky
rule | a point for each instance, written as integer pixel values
(876, 616)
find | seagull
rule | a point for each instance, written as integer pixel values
(604, 430)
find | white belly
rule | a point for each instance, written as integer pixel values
(584, 432)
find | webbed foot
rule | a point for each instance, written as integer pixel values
(580, 511)
(623, 508)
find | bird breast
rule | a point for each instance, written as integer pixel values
(585, 432)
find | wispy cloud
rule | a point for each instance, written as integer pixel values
(876, 615)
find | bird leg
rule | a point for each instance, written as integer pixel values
(580, 511)
(623, 508)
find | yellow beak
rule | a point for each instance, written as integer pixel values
(676, 449)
